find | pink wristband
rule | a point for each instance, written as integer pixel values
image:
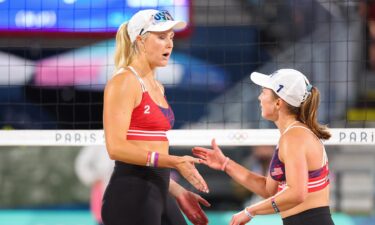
(152, 159)
(225, 164)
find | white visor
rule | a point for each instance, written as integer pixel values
(152, 20)
(289, 84)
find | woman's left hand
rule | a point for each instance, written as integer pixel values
(239, 218)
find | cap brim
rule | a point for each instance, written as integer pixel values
(164, 26)
(261, 79)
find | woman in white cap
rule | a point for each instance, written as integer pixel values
(297, 185)
(136, 118)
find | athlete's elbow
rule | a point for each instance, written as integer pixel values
(300, 196)
(112, 151)
(112, 154)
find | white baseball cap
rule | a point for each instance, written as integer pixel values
(152, 20)
(289, 84)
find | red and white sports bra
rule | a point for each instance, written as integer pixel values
(149, 121)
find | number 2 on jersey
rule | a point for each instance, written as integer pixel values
(147, 109)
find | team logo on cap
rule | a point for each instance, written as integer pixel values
(162, 16)
(280, 87)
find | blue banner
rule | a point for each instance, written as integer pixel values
(79, 15)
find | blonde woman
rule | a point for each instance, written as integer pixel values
(136, 118)
(297, 185)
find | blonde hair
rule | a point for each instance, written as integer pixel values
(125, 50)
(308, 114)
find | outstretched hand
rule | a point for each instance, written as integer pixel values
(213, 158)
(189, 203)
(239, 218)
(188, 170)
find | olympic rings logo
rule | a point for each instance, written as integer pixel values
(238, 136)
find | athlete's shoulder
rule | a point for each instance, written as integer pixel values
(295, 137)
(123, 79)
(297, 131)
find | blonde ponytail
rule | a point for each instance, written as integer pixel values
(125, 50)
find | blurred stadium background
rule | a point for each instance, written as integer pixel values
(56, 56)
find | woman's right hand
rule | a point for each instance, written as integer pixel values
(213, 158)
(187, 169)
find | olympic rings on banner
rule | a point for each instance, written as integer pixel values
(238, 136)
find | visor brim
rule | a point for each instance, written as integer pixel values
(261, 79)
(164, 26)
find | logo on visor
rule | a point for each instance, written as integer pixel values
(162, 16)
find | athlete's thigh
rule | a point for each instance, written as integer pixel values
(131, 201)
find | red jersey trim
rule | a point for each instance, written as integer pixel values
(314, 184)
(147, 135)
